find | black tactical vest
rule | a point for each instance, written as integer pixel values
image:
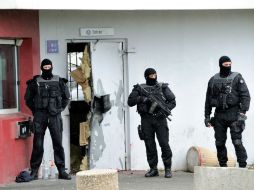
(48, 95)
(156, 90)
(223, 94)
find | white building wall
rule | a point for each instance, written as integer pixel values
(184, 48)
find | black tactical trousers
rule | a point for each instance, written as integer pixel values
(151, 126)
(41, 121)
(221, 124)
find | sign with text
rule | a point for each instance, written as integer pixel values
(96, 32)
(52, 46)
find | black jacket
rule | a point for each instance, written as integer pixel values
(238, 98)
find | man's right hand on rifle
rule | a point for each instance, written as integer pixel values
(143, 99)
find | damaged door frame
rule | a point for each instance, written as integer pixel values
(124, 48)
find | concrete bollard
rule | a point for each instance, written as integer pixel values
(223, 178)
(97, 179)
(200, 156)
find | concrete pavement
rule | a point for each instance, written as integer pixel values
(137, 181)
(128, 180)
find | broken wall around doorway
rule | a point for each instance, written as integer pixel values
(79, 76)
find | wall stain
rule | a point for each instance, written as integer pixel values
(97, 144)
(118, 101)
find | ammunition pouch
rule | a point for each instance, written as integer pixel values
(41, 100)
(55, 102)
(153, 107)
(214, 102)
(142, 108)
(53, 108)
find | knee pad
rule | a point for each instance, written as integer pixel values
(237, 142)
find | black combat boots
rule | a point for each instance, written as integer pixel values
(152, 173)
(242, 165)
(223, 165)
(34, 174)
(64, 175)
(168, 173)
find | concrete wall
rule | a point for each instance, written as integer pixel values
(184, 48)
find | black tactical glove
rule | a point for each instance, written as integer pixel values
(142, 99)
(241, 121)
(160, 115)
(207, 121)
(31, 124)
(212, 122)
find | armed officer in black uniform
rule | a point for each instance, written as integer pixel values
(228, 93)
(47, 95)
(154, 122)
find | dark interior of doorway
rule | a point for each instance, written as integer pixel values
(78, 108)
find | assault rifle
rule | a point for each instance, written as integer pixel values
(157, 102)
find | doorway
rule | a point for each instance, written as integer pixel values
(107, 147)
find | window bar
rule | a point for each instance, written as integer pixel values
(76, 53)
(69, 55)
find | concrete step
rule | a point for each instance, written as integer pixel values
(223, 178)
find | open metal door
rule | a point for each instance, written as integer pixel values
(107, 145)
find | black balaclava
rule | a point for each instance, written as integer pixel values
(150, 81)
(224, 71)
(46, 74)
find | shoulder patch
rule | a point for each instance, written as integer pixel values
(242, 81)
